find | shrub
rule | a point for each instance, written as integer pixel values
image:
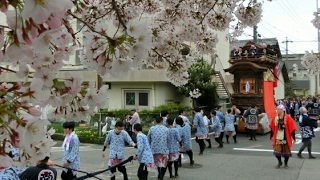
(91, 134)
(147, 116)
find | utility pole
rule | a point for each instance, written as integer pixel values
(318, 29)
(255, 34)
(99, 83)
(287, 41)
(316, 76)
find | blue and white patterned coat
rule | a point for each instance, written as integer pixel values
(11, 173)
(306, 126)
(221, 118)
(117, 143)
(14, 151)
(199, 123)
(158, 139)
(72, 154)
(174, 138)
(215, 124)
(185, 133)
(229, 126)
(144, 152)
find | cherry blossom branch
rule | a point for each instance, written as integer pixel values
(103, 15)
(90, 27)
(205, 14)
(10, 70)
(114, 6)
(154, 50)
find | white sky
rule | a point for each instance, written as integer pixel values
(288, 18)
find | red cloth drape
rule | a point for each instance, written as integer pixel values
(275, 72)
(268, 99)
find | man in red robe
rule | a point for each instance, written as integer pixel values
(282, 135)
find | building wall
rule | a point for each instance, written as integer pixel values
(159, 93)
(279, 91)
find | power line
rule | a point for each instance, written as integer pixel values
(295, 18)
(283, 32)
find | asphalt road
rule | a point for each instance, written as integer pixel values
(246, 160)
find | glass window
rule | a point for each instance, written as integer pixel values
(130, 98)
(143, 99)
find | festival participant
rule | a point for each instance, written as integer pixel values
(41, 171)
(282, 134)
(306, 130)
(173, 140)
(251, 115)
(216, 127)
(116, 139)
(229, 128)
(185, 144)
(71, 156)
(313, 109)
(144, 154)
(158, 139)
(222, 119)
(202, 132)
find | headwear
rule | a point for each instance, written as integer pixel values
(281, 107)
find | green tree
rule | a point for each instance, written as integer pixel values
(288, 89)
(200, 78)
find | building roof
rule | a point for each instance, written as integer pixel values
(300, 84)
(292, 59)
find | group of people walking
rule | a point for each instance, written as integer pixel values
(162, 148)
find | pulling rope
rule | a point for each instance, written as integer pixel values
(89, 175)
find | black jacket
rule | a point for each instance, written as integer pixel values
(41, 171)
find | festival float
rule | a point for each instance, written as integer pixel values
(254, 82)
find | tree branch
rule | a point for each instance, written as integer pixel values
(114, 6)
(205, 14)
(90, 27)
(10, 70)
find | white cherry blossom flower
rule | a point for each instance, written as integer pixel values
(40, 11)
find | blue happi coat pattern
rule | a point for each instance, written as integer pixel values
(158, 139)
(144, 152)
(116, 143)
(14, 151)
(174, 138)
(229, 126)
(306, 126)
(199, 123)
(11, 173)
(215, 124)
(72, 154)
(185, 133)
(221, 118)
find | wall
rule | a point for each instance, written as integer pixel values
(279, 91)
(159, 93)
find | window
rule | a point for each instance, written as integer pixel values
(130, 98)
(294, 74)
(247, 85)
(136, 99)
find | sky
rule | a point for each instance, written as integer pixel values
(291, 19)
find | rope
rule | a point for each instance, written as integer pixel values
(89, 175)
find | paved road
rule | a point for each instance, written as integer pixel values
(246, 160)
